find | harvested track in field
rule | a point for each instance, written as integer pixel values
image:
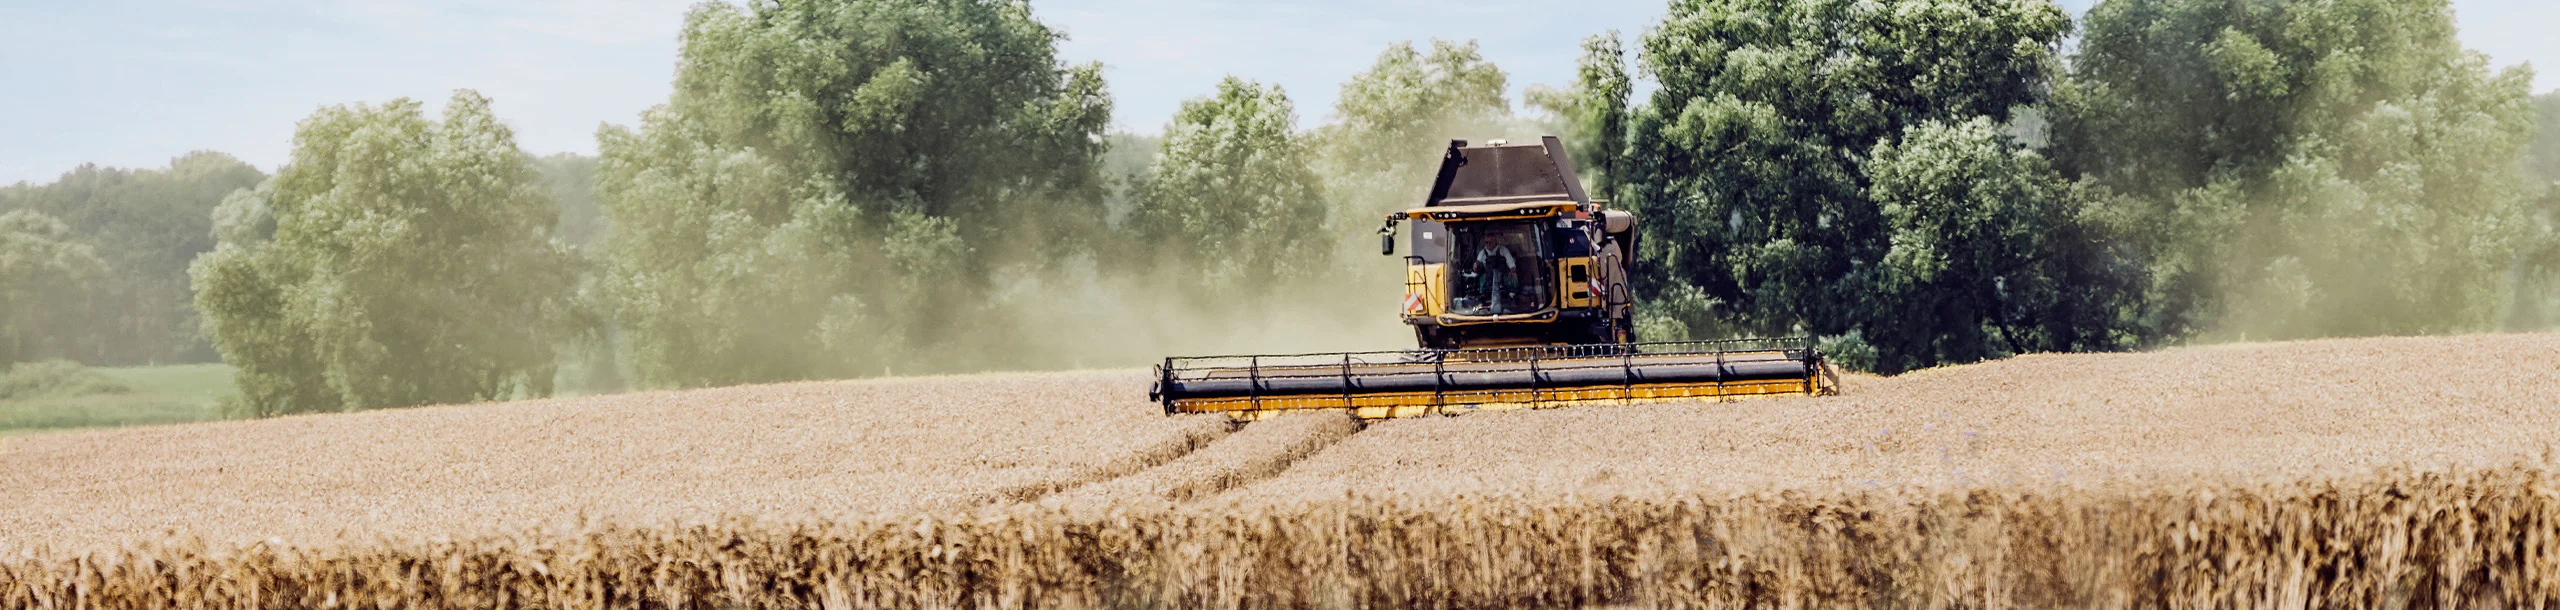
(1147, 460)
(1261, 450)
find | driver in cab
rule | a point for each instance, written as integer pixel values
(1497, 271)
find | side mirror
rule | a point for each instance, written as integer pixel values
(1387, 243)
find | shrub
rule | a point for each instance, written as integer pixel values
(56, 378)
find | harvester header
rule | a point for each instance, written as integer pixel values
(1517, 290)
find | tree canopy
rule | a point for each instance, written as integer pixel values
(1233, 194)
(1987, 254)
(2302, 168)
(1751, 165)
(1591, 115)
(1391, 123)
(409, 262)
(831, 186)
(47, 282)
(146, 225)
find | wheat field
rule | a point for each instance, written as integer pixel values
(2409, 472)
(2223, 415)
(802, 450)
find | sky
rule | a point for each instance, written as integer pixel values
(134, 83)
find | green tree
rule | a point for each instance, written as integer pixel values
(1233, 192)
(1592, 114)
(48, 282)
(245, 288)
(831, 186)
(410, 262)
(1391, 124)
(147, 225)
(1750, 165)
(2304, 168)
(1987, 253)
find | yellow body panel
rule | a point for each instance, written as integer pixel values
(1490, 211)
(1423, 287)
(1577, 295)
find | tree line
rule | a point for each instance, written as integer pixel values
(95, 263)
(875, 187)
(1927, 182)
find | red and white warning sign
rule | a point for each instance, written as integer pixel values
(1413, 302)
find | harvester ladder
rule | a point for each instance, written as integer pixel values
(1440, 383)
(1627, 365)
(1346, 382)
(1535, 395)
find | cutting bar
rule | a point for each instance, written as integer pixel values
(1379, 385)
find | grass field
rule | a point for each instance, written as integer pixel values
(2398, 473)
(158, 395)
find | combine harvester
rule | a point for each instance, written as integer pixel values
(1516, 289)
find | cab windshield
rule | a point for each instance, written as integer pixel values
(1499, 268)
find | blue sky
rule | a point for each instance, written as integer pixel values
(133, 83)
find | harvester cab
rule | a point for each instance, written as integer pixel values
(1508, 250)
(1516, 287)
